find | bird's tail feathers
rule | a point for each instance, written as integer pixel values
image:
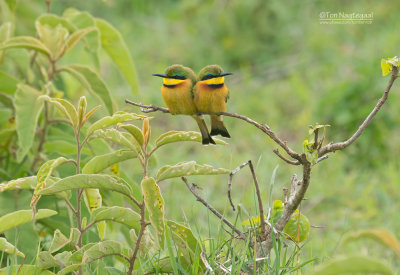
(218, 127)
(206, 138)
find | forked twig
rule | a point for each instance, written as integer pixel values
(212, 209)
(259, 198)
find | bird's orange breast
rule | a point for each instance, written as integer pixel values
(179, 99)
(209, 99)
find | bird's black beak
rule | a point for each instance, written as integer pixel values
(224, 74)
(161, 75)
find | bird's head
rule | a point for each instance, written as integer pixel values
(176, 74)
(212, 75)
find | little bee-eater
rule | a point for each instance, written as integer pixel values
(177, 92)
(211, 95)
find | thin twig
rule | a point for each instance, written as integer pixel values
(143, 224)
(265, 128)
(259, 198)
(341, 145)
(212, 209)
(231, 174)
(292, 162)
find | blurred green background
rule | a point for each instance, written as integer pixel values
(290, 71)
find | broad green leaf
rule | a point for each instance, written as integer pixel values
(352, 265)
(8, 84)
(19, 184)
(26, 42)
(134, 131)
(93, 82)
(381, 236)
(53, 21)
(116, 118)
(74, 234)
(74, 38)
(44, 174)
(53, 37)
(28, 105)
(117, 137)
(106, 182)
(115, 46)
(90, 113)
(19, 217)
(99, 163)
(25, 270)
(66, 108)
(117, 214)
(45, 260)
(82, 20)
(64, 148)
(147, 244)
(5, 33)
(100, 250)
(189, 168)
(178, 136)
(155, 205)
(63, 258)
(59, 241)
(68, 269)
(183, 238)
(9, 248)
(93, 199)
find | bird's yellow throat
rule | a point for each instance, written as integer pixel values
(172, 81)
(215, 81)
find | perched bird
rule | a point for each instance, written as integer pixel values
(177, 92)
(211, 95)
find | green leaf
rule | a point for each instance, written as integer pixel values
(45, 260)
(59, 241)
(53, 37)
(155, 205)
(82, 20)
(64, 148)
(63, 258)
(19, 184)
(387, 64)
(116, 118)
(100, 250)
(106, 182)
(189, 168)
(178, 136)
(66, 108)
(54, 20)
(9, 248)
(28, 105)
(99, 163)
(24, 269)
(8, 84)
(93, 82)
(44, 174)
(115, 46)
(381, 236)
(19, 217)
(117, 214)
(353, 264)
(74, 38)
(134, 131)
(5, 33)
(184, 239)
(117, 137)
(69, 269)
(82, 110)
(93, 199)
(26, 42)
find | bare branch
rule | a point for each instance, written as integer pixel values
(292, 162)
(212, 209)
(265, 128)
(341, 145)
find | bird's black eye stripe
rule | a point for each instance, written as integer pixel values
(177, 77)
(209, 76)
